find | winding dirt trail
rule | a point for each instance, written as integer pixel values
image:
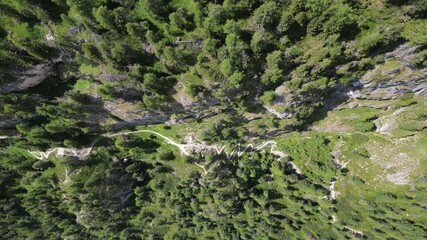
(185, 149)
(181, 147)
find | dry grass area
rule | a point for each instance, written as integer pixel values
(388, 153)
(333, 124)
(124, 110)
(399, 161)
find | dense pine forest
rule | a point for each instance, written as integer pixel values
(195, 119)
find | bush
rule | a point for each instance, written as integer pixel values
(236, 79)
(395, 2)
(370, 41)
(407, 99)
(411, 126)
(194, 89)
(362, 152)
(71, 143)
(274, 74)
(107, 91)
(42, 165)
(165, 154)
(266, 15)
(364, 126)
(415, 31)
(134, 167)
(228, 134)
(358, 138)
(72, 162)
(341, 22)
(420, 59)
(261, 42)
(154, 101)
(160, 85)
(268, 97)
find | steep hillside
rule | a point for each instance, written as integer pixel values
(191, 119)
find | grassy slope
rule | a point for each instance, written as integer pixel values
(383, 193)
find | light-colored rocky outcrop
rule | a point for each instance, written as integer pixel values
(390, 80)
(30, 77)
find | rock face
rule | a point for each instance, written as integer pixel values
(416, 82)
(30, 77)
(284, 99)
(388, 81)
